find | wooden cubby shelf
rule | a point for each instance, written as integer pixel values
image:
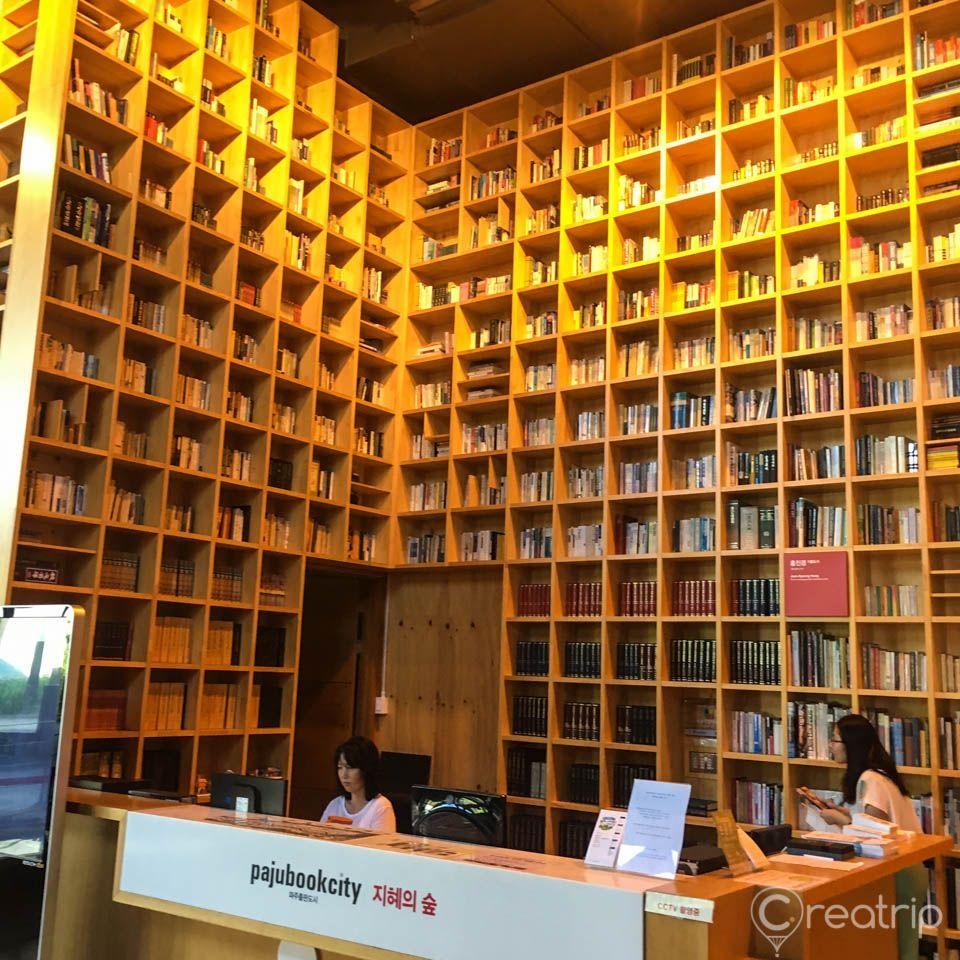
(559, 337)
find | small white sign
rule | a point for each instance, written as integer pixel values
(653, 834)
(683, 908)
(605, 842)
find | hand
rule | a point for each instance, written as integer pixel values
(836, 816)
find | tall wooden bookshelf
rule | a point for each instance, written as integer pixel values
(252, 275)
(473, 393)
(700, 181)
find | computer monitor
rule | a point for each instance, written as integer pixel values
(464, 815)
(263, 794)
(39, 664)
(398, 773)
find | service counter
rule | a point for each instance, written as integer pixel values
(146, 880)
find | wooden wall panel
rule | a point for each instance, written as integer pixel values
(442, 673)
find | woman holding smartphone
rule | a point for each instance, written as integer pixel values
(873, 785)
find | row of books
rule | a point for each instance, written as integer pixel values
(585, 540)
(477, 545)
(690, 410)
(585, 481)
(755, 732)
(573, 838)
(54, 354)
(220, 707)
(54, 493)
(808, 463)
(532, 658)
(533, 600)
(758, 802)
(633, 537)
(581, 659)
(949, 673)
(810, 728)
(745, 405)
(884, 455)
(755, 597)
(112, 640)
(882, 669)
(222, 646)
(427, 548)
(53, 420)
(428, 495)
(693, 660)
(818, 659)
(527, 832)
(746, 468)
(526, 773)
(810, 333)
(755, 662)
(529, 716)
(636, 660)
(536, 543)
(86, 217)
(119, 571)
(583, 599)
(813, 390)
(109, 764)
(693, 598)
(164, 707)
(752, 342)
(751, 527)
(637, 476)
(106, 709)
(812, 525)
(635, 723)
(637, 598)
(536, 486)
(85, 158)
(694, 473)
(637, 418)
(693, 535)
(177, 577)
(880, 524)
(907, 739)
(874, 390)
(948, 732)
(171, 640)
(623, 776)
(583, 784)
(885, 600)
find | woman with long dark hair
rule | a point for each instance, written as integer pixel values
(873, 785)
(356, 764)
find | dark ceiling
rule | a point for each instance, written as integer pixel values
(423, 58)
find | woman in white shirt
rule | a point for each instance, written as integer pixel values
(873, 785)
(357, 764)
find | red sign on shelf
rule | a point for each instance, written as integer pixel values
(815, 585)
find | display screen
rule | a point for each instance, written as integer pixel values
(33, 671)
(463, 815)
